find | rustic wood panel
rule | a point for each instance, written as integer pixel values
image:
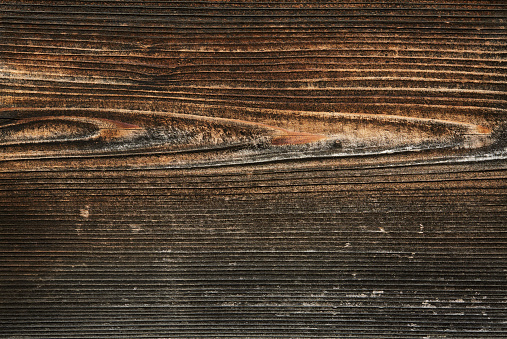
(253, 169)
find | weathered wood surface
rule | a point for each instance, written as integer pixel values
(253, 169)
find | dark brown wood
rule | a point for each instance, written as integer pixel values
(253, 169)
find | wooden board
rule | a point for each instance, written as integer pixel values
(253, 169)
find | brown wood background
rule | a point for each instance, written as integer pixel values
(253, 169)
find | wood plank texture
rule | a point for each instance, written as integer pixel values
(253, 169)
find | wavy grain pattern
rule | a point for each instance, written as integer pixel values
(253, 169)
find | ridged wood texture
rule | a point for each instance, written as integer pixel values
(253, 169)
